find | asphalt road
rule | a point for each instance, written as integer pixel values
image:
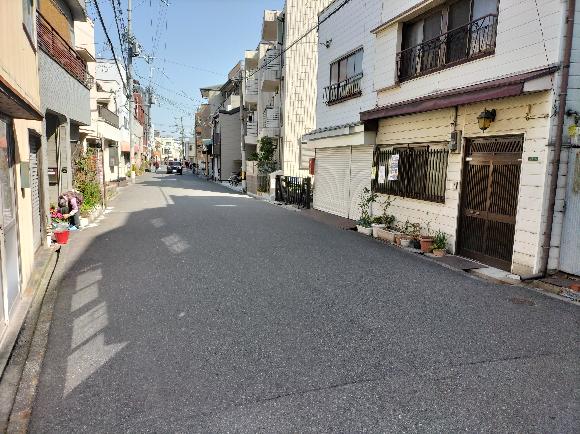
(190, 308)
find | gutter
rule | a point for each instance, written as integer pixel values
(555, 166)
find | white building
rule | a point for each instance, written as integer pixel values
(467, 101)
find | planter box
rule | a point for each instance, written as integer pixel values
(386, 235)
(376, 229)
(363, 230)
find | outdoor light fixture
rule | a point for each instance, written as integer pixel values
(485, 118)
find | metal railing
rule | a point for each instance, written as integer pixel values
(473, 40)
(271, 117)
(343, 90)
(108, 116)
(416, 173)
(294, 190)
(61, 52)
(252, 128)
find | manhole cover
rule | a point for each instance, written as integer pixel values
(517, 300)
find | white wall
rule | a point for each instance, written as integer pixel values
(349, 28)
(520, 48)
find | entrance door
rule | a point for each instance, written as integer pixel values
(9, 257)
(487, 219)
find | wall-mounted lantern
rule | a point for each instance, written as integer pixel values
(485, 118)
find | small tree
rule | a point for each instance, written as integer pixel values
(86, 179)
(266, 161)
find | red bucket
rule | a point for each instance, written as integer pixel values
(61, 237)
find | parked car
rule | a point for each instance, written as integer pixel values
(175, 167)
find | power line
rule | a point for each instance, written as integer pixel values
(96, 2)
(118, 30)
(190, 66)
(339, 7)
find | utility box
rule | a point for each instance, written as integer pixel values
(311, 164)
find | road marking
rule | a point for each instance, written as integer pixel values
(223, 206)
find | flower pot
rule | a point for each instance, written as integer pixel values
(416, 244)
(386, 235)
(406, 242)
(364, 230)
(398, 237)
(439, 252)
(426, 244)
(61, 236)
(376, 227)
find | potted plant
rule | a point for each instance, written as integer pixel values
(377, 223)
(387, 232)
(367, 198)
(439, 243)
(406, 236)
(427, 240)
(60, 226)
(415, 233)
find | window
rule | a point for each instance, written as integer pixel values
(28, 19)
(417, 172)
(458, 31)
(345, 78)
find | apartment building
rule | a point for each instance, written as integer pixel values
(22, 211)
(299, 88)
(203, 125)
(465, 123)
(341, 144)
(65, 84)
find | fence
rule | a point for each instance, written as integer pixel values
(294, 190)
(420, 173)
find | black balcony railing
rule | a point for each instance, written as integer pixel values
(471, 41)
(349, 88)
(108, 116)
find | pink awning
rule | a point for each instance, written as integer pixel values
(125, 147)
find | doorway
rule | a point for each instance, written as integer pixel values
(489, 199)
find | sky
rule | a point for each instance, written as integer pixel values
(198, 42)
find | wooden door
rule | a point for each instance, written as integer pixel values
(487, 219)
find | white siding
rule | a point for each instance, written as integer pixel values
(231, 153)
(349, 28)
(520, 47)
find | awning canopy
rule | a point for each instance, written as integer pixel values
(125, 147)
(15, 106)
(501, 88)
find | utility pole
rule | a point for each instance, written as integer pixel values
(182, 139)
(130, 90)
(243, 131)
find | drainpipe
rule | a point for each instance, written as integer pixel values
(555, 166)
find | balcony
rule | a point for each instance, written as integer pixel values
(471, 41)
(108, 116)
(251, 132)
(232, 102)
(251, 91)
(346, 89)
(62, 53)
(270, 26)
(271, 124)
(272, 66)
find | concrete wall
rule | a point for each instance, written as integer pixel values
(511, 119)
(349, 28)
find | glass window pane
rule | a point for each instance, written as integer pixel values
(350, 68)
(412, 34)
(6, 175)
(342, 70)
(458, 14)
(358, 61)
(334, 73)
(482, 8)
(432, 27)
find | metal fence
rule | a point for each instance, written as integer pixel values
(294, 190)
(420, 173)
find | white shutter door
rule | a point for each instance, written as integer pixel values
(360, 176)
(35, 195)
(331, 181)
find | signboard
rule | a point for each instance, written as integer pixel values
(382, 174)
(52, 175)
(393, 168)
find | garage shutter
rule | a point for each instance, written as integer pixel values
(360, 176)
(331, 182)
(35, 192)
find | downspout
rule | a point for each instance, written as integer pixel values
(555, 166)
